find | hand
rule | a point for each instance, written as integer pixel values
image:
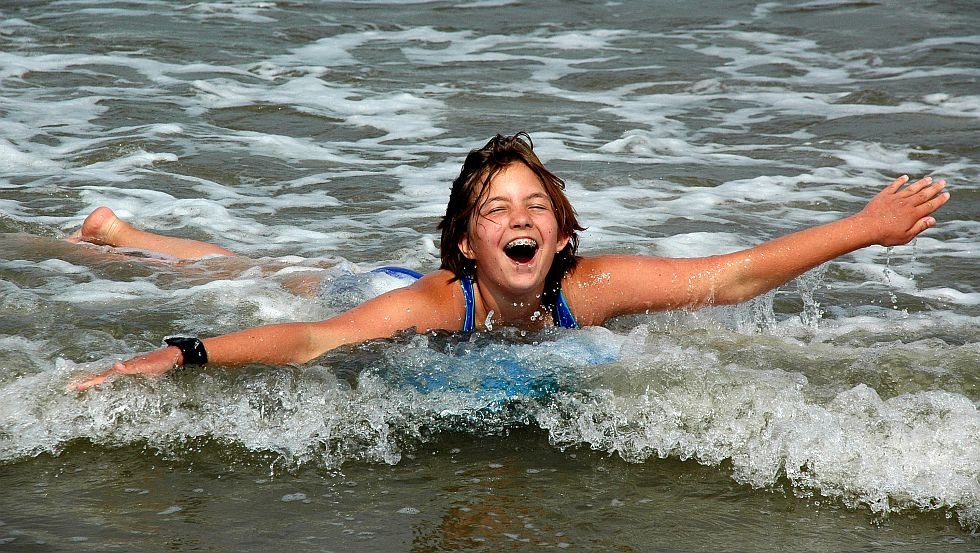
(897, 215)
(154, 363)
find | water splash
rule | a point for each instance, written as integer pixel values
(915, 451)
(806, 285)
(643, 394)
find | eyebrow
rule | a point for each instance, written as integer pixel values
(534, 196)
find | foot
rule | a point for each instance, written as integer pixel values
(100, 227)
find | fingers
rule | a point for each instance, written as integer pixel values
(900, 214)
(925, 188)
(919, 226)
(915, 187)
(897, 183)
(932, 198)
(924, 195)
(83, 385)
(86, 384)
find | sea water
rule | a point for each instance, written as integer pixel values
(318, 140)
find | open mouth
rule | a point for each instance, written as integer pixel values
(521, 250)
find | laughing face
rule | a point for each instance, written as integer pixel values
(513, 236)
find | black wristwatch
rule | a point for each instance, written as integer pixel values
(191, 349)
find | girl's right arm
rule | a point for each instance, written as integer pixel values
(426, 305)
(276, 344)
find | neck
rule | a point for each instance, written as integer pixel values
(523, 311)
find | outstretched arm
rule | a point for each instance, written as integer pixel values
(421, 305)
(894, 216)
(272, 344)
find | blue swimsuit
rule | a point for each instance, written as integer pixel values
(563, 315)
(561, 312)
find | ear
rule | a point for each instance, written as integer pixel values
(464, 247)
(562, 242)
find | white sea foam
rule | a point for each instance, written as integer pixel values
(249, 11)
(639, 395)
(951, 295)
(23, 162)
(880, 453)
(104, 291)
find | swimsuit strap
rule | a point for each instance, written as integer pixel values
(469, 324)
(397, 271)
(562, 314)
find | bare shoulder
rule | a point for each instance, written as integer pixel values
(437, 282)
(440, 289)
(434, 302)
(431, 303)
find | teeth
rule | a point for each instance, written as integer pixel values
(527, 242)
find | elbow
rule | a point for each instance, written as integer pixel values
(744, 291)
(740, 291)
(732, 297)
(744, 280)
(728, 280)
(312, 348)
(725, 292)
(319, 338)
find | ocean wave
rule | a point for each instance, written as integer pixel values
(641, 395)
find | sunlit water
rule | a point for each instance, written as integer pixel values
(319, 139)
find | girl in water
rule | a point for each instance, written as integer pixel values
(509, 242)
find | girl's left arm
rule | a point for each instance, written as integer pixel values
(894, 216)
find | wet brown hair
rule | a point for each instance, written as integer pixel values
(473, 183)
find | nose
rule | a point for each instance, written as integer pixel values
(521, 218)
